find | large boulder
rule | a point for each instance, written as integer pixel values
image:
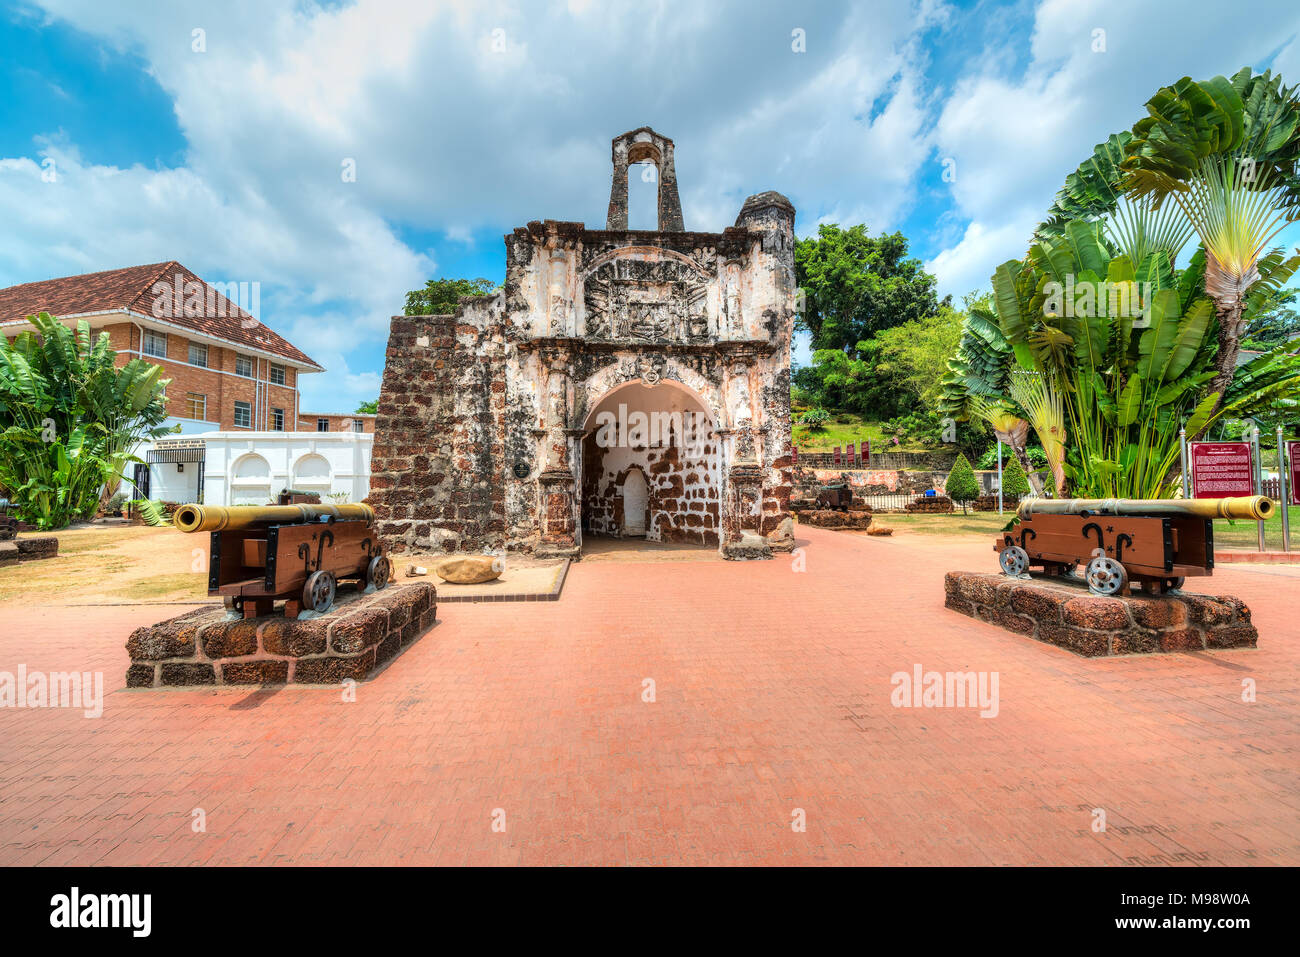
(470, 569)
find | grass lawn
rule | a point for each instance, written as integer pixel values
(112, 564)
(840, 433)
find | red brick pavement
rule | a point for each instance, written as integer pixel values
(772, 693)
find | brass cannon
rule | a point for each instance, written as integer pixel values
(1153, 543)
(298, 553)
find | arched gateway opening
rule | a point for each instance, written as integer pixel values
(651, 467)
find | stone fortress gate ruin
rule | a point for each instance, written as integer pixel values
(623, 383)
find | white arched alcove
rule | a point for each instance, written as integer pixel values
(636, 498)
(250, 481)
(311, 473)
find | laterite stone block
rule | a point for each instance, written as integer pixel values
(1062, 612)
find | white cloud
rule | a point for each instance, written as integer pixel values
(451, 136)
(1016, 138)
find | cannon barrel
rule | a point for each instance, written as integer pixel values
(216, 518)
(1252, 507)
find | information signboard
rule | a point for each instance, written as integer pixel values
(1221, 469)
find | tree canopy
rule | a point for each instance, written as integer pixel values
(856, 285)
(439, 297)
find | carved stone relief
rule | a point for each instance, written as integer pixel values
(649, 300)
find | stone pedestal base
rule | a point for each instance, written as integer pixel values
(830, 518)
(750, 546)
(1063, 612)
(351, 640)
(28, 548)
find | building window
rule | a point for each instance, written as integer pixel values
(155, 344)
(277, 374)
(358, 425)
(322, 425)
(277, 420)
(244, 415)
(196, 406)
(244, 366)
(198, 354)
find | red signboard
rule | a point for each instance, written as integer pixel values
(866, 452)
(794, 455)
(849, 456)
(1293, 472)
(836, 458)
(1221, 469)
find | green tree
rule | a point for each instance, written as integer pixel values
(1106, 393)
(70, 419)
(918, 352)
(1227, 154)
(1014, 481)
(1270, 318)
(961, 485)
(368, 408)
(854, 285)
(439, 297)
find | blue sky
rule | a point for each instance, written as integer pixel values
(216, 134)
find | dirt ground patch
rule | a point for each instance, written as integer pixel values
(109, 564)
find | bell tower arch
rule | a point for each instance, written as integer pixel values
(644, 145)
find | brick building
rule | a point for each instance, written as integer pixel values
(328, 422)
(228, 371)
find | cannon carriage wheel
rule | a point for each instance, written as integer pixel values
(1014, 561)
(379, 572)
(318, 593)
(1106, 576)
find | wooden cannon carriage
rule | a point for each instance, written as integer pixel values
(1155, 543)
(295, 553)
(838, 496)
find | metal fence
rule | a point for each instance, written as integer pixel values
(886, 501)
(935, 461)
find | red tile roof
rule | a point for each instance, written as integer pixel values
(132, 289)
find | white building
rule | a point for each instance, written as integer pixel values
(251, 468)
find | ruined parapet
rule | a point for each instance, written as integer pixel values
(436, 468)
(644, 145)
(487, 438)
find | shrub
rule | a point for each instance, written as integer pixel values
(1014, 480)
(961, 485)
(152, 511)
(989, 460)
(815, 418)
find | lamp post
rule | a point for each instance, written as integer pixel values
(1259, 476)
(1182, 446)
(1283, 480)
(999, 476)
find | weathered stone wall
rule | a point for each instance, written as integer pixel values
(683, 504)
(482, 416)
(28, 548)
(437, 480)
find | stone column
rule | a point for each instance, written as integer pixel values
(742, 505)
(670, 206)
(557, 489)
(617, 218)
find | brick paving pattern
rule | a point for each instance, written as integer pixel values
(772, 693)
